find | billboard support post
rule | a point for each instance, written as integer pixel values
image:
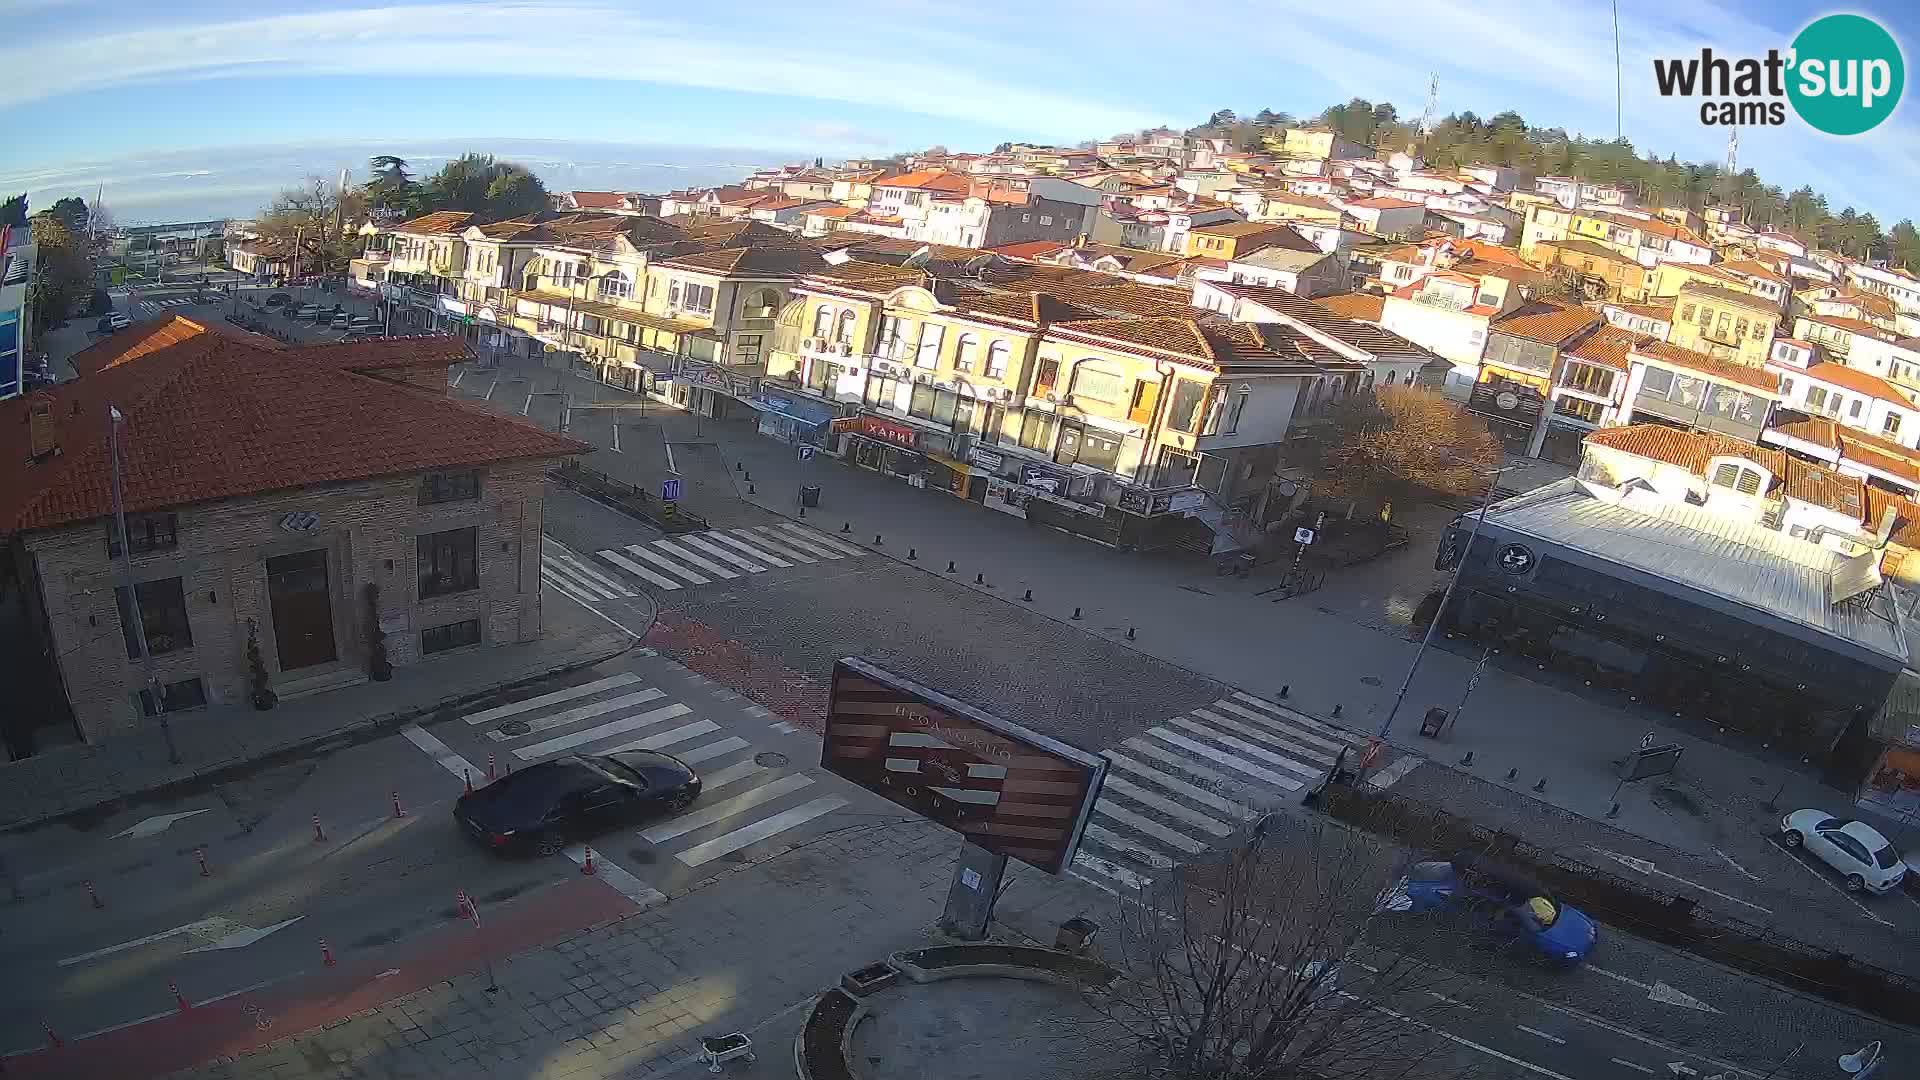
(977, 874)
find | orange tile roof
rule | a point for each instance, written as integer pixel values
(1546, 322)
(1860, 382)
(1724, 370)
(1608, 347)
(1031, 249)
(927, 180)
(210, 416)
(1817, 430)
(1717, 294)
(1661, 312)
(1384, 203)
(1691, 450)
(835, 211)
(1362, 307)
(1753, 268)
(1891, 458)
(440, 221)
(1852, 325)
(1824, 487)
(596, 200)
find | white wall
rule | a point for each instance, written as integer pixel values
(1455, 335)
(1266, 418)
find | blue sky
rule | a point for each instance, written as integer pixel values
(195, 103)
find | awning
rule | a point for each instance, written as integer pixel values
(784, 409)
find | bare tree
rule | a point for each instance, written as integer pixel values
(1402, 442)
(1273, 964)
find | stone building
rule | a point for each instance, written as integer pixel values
(297, 498)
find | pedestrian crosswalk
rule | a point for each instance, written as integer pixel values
(1182, 787)
(724, 554)
(742, 803)
(577, 576)
(154, 306)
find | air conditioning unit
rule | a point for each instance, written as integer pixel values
(923, 378)
(810, 344)
(846, 349)
(1054, 398)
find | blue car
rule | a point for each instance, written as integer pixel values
(1558, 931)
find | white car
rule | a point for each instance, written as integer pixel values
(1854, 848)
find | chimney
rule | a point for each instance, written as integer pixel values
(1885, 528)
(43, 438)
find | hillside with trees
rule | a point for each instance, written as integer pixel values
(1507, 139)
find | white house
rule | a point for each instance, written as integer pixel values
(1303, 273)
(1386, 216)
(1497, 177)
(1852, 398)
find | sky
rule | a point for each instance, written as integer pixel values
(193, 108)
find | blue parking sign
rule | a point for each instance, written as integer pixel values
(806, 453)
(670, 489)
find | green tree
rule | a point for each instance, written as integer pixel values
(1222, 118)
(14, 210)
(469, 183)
(515, 192)
(63, 271)
(72, 212)
(1904, 246)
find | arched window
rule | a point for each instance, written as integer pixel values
(761, 304)
(997, 354)
(822, 321)
(1392, 376)
(843, 328)
(616, 286)
(1092, 379)
(966, 352)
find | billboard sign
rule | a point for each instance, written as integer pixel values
(1005, 788)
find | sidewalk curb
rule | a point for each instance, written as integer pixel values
(357, 731)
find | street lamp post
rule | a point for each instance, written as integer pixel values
(1479, 518)
(133, 593)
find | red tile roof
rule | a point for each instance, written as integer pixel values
(1547, 323)
(1860, 382)
(1724, 370)
(1361, 307)
(208, 416)
(1383, 203)
(1691, 450)
(927, 180)
(1608, 347)
(438, 222)
(1031, 249)
(596, 200)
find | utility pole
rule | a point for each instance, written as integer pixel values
(133, 592)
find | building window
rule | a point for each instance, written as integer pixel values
(1786, 387)
(1588, 379)
(1817, 398)
(445, 487)
(822, 321)
(449, 562)
(929, 353)
(843, 328)
(1656, 381)
(174, 697)
(1092, 382)
(616, 286)
(965, 352)
(436, 639)
(1734, 478)
(1740, 329)
(1036, 431)
(163, 616)
(746, 349)
(697, 298)
(1046, 219)
(1046, 377)
(997, 360)
(1853, 410)
(1580, 409)
(883, 393)
(145, 532)
(1238, 405)
(1891, 426)
(1183, 414)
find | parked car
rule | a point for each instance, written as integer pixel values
(114, 321)
(276, 299)
(367, 331)
(1857, 850)
(544, 807)
(341, 321)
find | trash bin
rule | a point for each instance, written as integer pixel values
(1076, 934)
(810, 496)
(1432, 724)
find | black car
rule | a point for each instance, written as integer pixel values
(544, 807)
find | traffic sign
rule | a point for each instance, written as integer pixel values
(670, 489)
(806, 453)
(1303, 535)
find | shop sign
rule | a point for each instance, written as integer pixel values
(986, 459)
(1180, 502)
(453, 306)
(1041, 480)
(887, 431)
(1006, 497)
(740, 387)
(1135, 500)
(843, 425)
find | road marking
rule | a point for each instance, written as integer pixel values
(458, 375)
(1197, 794)
(1149, 827)
(616, 436)
(679, 552)
(725, 808)
(528, 405)
(1646, 867)
(1657, 991)
(733, 773)
(1114, 840)
(814, 538)
(154, 826)
(1795, 859)
(713, 750)
(1149, 748)
(1617, 977)
(1221, 757)
(1119, 875)
(1131, 790)
(1395, 772)
(571, 692)
(240, 939)
(1541, 1034)
(1292, 731)
(722, 553)
(667, 738)
(610, 872)
(204, 928)
(741, 545)
(786, 552)
(1266, 737)
(794, 545)
(1750, 875)
(1245, 747)
(700, 854)
(1631, 1065)
(566, 418)
(639, 571)
(583, 712)
(602, 731)
(1296, 716)
(669, 446)
(488, 396)
(577, 566)
(654, 557)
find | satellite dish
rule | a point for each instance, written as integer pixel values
(919, 258)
